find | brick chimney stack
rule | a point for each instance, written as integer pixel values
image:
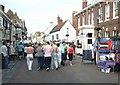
(59, 20)
(2, 7)
(84, 4)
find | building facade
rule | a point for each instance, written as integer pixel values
(12, 29)
(19, 30)
(5, 26)
(63, 31)
(100, 13)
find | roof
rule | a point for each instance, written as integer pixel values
(90, 6)
(58, 27)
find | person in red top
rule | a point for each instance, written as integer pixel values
(70, 54)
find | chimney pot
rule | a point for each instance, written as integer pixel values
(2, 8)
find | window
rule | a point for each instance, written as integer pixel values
(107, 34)
(115, 8)
(89, 34)
(4, 23)
(83, 20)
(92, 18)
(100, 14)
(88, 18)
(1, 20)
(78, 20)
(107, 11)
(100, 35)
(89, 41)
(52, 37)
(57, 36)
(115, 33)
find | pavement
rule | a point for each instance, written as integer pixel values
(86, 72)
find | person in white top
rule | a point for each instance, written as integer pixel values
(30, 51)
(25, 50)
(5, 56)
(47, 49)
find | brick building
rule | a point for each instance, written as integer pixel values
(105, 14)
(5, 25)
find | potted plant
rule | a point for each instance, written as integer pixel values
(98, 28)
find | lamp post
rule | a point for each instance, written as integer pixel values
(98, 28)
(17, 32)
(67, 35)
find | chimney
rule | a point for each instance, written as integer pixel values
(59, 20)
(15, 13)
(2, 7)
(84, 4)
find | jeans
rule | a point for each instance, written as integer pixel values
(5, 62)
(29, 62)
(47, 62)
(40, 61)
(54, 61)
(63, 58)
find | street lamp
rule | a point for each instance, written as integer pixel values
(98, 28)
(17, 32)
(67, 35)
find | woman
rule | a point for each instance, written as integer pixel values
(12, 52)
(40, 56)
(30, 51)
(70, 54)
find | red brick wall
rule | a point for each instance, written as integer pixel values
(106, 24)
(75, 22)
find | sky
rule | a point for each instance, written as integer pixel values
(39, 13)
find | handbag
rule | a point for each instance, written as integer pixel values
(31, 58)
(36, 54)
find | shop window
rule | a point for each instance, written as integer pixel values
(89, 34)
(89, 41)
(52, 37)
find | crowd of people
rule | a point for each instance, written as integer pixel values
(49, 55)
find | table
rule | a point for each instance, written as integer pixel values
(106, 64)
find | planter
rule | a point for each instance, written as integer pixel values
(67, 35)
(98, 28)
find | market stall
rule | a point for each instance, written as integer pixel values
(106, 60)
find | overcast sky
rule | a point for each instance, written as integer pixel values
(39, 13)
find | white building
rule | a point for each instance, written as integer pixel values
(86, 38)
(63, 31)
(47, 35)
(5, 26)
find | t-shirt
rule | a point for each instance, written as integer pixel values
(20, 48)
(47, 50)
(70, 50)
(62, 48)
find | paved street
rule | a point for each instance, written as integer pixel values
(78, 73)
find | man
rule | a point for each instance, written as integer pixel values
(47, 54)
(4, 52)
(20, 50)
(64, 57)
(54, 56)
